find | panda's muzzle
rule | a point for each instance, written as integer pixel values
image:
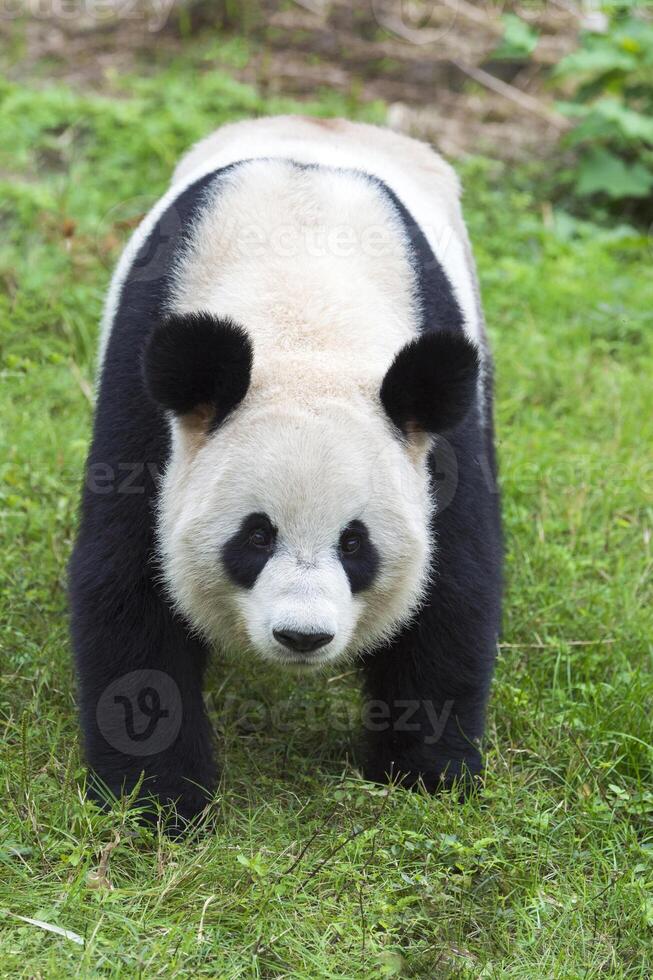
(302, 642)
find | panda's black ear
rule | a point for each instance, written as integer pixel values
(198, 364)
(431, 384)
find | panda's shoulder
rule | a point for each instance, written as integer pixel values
(147, 261)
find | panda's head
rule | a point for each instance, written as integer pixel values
(298, 526)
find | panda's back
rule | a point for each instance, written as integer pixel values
(427, 185)
(309, 239)
(314, 262)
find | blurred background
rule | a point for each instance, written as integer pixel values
(569, 82)
(545, 108)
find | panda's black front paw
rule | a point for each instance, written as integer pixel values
(416, 766)
(178, 801)
(183, 802)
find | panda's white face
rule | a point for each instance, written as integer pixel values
(301, 534)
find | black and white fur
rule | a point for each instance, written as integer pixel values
(287, 336)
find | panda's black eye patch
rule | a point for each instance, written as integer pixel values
(262, 537)
(358, 556)
(246, 552)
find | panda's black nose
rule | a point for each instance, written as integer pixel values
(302, 642)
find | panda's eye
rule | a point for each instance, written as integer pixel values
(350, 542)
(358, 556)
(261, 537)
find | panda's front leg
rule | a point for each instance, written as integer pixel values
(427, 692)
(428, 689)
(139, 684)
(423, 721)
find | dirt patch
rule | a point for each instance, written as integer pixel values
(432, 63)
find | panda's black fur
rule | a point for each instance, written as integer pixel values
(122, 621)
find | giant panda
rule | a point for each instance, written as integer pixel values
(292, 458)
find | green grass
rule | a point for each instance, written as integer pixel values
(306, 870)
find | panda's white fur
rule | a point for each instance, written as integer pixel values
(313, 470)
(426, 184)
(284, 253)
(315, 265)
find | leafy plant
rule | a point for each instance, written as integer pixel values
(519, 39)
(611, 102)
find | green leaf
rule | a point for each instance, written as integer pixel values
(601, 172)
(596, 60)
(648, 912)
(519, 39)
(635, 35)
(632, 124)
(573, 109)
